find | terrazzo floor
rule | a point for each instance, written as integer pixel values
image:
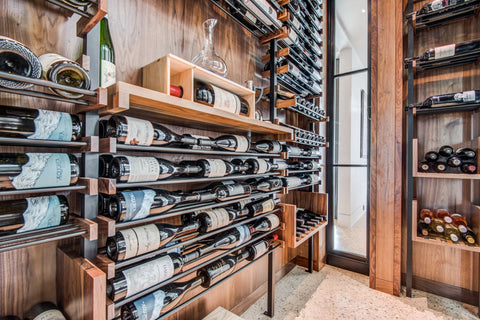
(335, 293)
(351, 239)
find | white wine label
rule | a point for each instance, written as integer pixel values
(219, 217)
(267, 206)
(226, 101)
(108, 73)
(266, 7)
(437, 4)
(293, 181)
(468, 96)
(454, 237)
(197, 147)
(294, 71)
(47, 60)
(148, 238)
(131, 243)
(274, 220)
(315, 178)
(52, 314)
(282, 165)
(260, 248)
(445, 51)
(262, 166)
(42, 212)
(242, 144)
(150, 306)
(138, 203)
(44, 170)
(235, 190)
(243, 203)
(148, 274)
(143, 169)
(218, 168)
(245, 235)
(140, 132)
(51, 125)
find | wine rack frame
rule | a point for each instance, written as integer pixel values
(414, 67)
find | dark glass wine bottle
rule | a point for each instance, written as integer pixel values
(450, 50)
(104, 162)
(440, 166)
(422, 228)
(431, 156)
(454, 162)
(466, 154)
(267, 146)
(26, 123)
(129, 243)
(37, 170)
(294, 151)
(29, 214)
(15, 58)
(266, 7)
(233, 143)
(142, 276)
(143, 169)
(212, 219)
(139, 204)
(44, 310)
(469, 237)
(220, 99)
(445, 151)
(264, 224)
(108, 70)
(469, 167)
(266, 185)
(210, 168)
(458, 97)
(135, 131)
(262, 206)
(61, 70)
(258, 166)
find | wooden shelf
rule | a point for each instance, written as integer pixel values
(445, 15)
(454, 61)
(124, 97)
(86, 144)
(459, 107)
(438, 240)
(447, 175)
(87, 186)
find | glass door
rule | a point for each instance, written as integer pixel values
(348, 158)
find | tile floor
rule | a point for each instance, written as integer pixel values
(334, 293)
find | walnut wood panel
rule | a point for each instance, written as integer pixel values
(452, 266)
(386, 150)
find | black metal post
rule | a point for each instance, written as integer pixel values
(273, 80)
(310, 254)
(409, 159)
(271, 287)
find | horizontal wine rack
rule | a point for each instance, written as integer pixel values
(85, 145)
(457, 107)
(453, 61)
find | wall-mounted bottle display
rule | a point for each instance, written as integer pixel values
(463, 160)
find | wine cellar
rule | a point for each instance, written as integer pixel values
(178, 159)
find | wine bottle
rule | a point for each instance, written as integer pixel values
(267, 146)
(104, 163)
(61, 70)
(469, 167)
(466, 154)
(210, 168)
(233, 143)
(262, 206)
(37, 170)
(10, 317)
(142, 276)
(266, 184)
(443, 214)
(424, 166)
(41, 124)
(103, 201)
(129, 243)
(220, 99)
(266, 7)
(260, 247)
(422, 228)
(258, 166)
(17, 59)
(264, 224)
(437, 225)
(224, 241)
(449, 50)
(451, 98)
(108, 70)
(454, 162)
(29, 214)
(212, 219)
(225, 192)
(469, 237)
(44, 310)
(460, 222)
(143, 169)
(426, 215)
(139, 204)
(451, 232)
(293, 70)
(440, 166)
(294, 151)
(176, 91)
(433, 6)
(445, 151)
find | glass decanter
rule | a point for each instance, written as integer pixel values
(208, 58)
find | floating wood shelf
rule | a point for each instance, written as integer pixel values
(109, 264)
(454, 61)
(110, 145)
(110, 186)
(86, 144)
(126, 97)
(445, 15)
(315, 202)
(438, 240)
(461, 107)
(446, 175)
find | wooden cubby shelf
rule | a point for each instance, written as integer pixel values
(110, 186)
(315, 202)
(439, 240)
(447, 175)
(168, 109)
(110, 145)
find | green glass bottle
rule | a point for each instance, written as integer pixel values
(108, 74)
